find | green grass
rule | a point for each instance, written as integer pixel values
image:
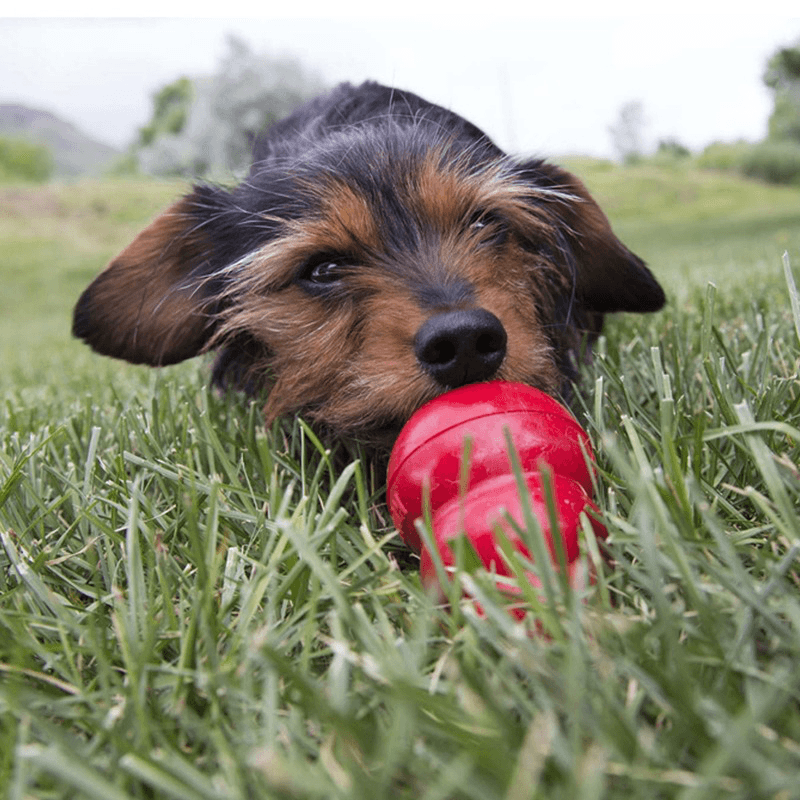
(194, 607)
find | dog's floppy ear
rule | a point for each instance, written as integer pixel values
(608, 276)
(154, 303)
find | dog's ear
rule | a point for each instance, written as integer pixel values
(608, 276)
(154, 303)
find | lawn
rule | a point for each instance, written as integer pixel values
(192, 606)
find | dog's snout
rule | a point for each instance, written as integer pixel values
(460, 347)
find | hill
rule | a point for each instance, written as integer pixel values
(74, 152)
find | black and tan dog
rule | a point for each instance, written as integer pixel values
(381, 251)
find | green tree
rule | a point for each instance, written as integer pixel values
(671, 147)
(782, 76)
(170, 109)
(206, 126)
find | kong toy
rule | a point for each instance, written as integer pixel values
(454, 452)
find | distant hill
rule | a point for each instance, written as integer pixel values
(74, 152)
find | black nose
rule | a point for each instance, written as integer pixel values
(460, 347)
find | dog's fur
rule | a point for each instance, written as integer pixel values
(381, 250)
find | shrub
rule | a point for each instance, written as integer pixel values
(24, 160)
(773, 161)
(724, 156)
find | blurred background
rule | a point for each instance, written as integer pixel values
(184, 96)
(685, 127)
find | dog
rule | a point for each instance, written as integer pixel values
(380, 251)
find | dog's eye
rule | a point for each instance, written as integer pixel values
(321, 272)
(324, 272)
(491, 228)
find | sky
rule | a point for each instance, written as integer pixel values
(541, 83)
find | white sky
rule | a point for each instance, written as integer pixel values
(541, 83)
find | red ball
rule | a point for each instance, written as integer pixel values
(489, 505)
(428, 455)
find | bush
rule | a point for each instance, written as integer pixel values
(724, 156)
(25, 161)
(773, 161)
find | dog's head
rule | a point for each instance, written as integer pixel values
(372, 271)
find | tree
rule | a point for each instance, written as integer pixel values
(627, 134)
(209, 129)
(171, 106)
(782, 75)
(671, 147)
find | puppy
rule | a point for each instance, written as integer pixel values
(382, 250)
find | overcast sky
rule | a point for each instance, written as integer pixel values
(549, 84)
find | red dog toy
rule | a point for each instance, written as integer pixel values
(428, 459)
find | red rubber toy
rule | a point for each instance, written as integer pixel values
(428, 461)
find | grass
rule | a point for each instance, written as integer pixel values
(192, 606)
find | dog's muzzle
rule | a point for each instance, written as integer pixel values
(460, 347)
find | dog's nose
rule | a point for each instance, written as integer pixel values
(460, 347)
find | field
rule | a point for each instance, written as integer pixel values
(192, 606)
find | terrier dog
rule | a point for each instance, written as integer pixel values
(382, 250)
